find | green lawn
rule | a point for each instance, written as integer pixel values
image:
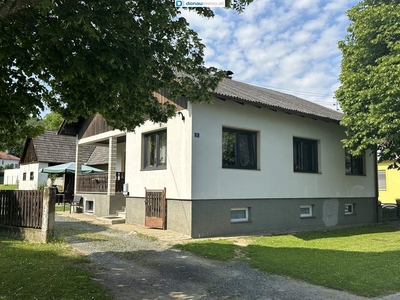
(361, 260)
(8, 187)
(44, 271)
(60, 207)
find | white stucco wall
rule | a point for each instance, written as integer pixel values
(38, 178)
(177, 176)
(11, 176)
(275, 177)
(120, 160)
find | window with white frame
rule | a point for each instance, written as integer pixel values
(306, 211)
(382, 180)
(24, 176)
(240, 214)
(349, 209)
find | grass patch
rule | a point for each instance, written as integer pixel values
(60, 207)
(147, 237)
(44, 271)
(361, 260)
(215, 249)
(8, 186)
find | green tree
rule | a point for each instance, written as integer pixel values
(370, 79)
(52, 121)
(109, 56)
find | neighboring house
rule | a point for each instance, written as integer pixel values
(8, 159)
(388, 183)
(255, 160)
(11, 176)
(44, 151)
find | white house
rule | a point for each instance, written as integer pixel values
(6, 159)
(255, 160)
(44, 151)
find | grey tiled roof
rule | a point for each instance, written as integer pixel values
(98, 157)
(243, 92)
(54, 148)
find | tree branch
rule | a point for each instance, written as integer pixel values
(11, 7)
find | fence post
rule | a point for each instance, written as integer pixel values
(49, 200)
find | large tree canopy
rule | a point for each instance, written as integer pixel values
(104, 56)
(370, 77)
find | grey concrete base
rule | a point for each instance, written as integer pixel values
(29, 234)
(208, 218)
(111, 220)
(103, 205)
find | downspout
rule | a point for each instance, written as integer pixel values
(376, 188)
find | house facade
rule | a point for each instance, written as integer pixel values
(47, 150)
(253, 161)
(388, 183)
(6, 159)
(101, 193)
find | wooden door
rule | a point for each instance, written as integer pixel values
(156, 209)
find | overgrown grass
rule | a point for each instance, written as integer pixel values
(361, 260)
(8, 186)
(44, 271)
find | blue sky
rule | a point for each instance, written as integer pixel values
(289, 46)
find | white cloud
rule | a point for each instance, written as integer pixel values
(283, 44)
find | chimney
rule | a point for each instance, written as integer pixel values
(229, 74)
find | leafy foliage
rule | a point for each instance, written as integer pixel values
(84, 57)
(52, 121)
(370, 90)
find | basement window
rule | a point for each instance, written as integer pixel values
(239, 214)
(306, 211)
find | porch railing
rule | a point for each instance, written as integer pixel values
(98, 182)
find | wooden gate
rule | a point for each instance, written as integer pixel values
(156, 209)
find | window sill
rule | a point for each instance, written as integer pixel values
(305, 172)
(349, 215)
(356, 175)
(153, 169)
(311, 217)
(240, 222)
(243, 169)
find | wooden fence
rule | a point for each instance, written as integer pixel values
(21, 208)
(28, 214)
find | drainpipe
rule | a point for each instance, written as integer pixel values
(376, 187)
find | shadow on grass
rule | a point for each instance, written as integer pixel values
(347, 232)
(44, 271)
(362, 273)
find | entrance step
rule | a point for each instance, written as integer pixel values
(113, 219)
(121, 213)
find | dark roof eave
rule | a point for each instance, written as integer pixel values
(276, 108)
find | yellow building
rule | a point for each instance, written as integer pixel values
(388, 183)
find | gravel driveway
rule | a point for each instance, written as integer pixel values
(134, 267)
